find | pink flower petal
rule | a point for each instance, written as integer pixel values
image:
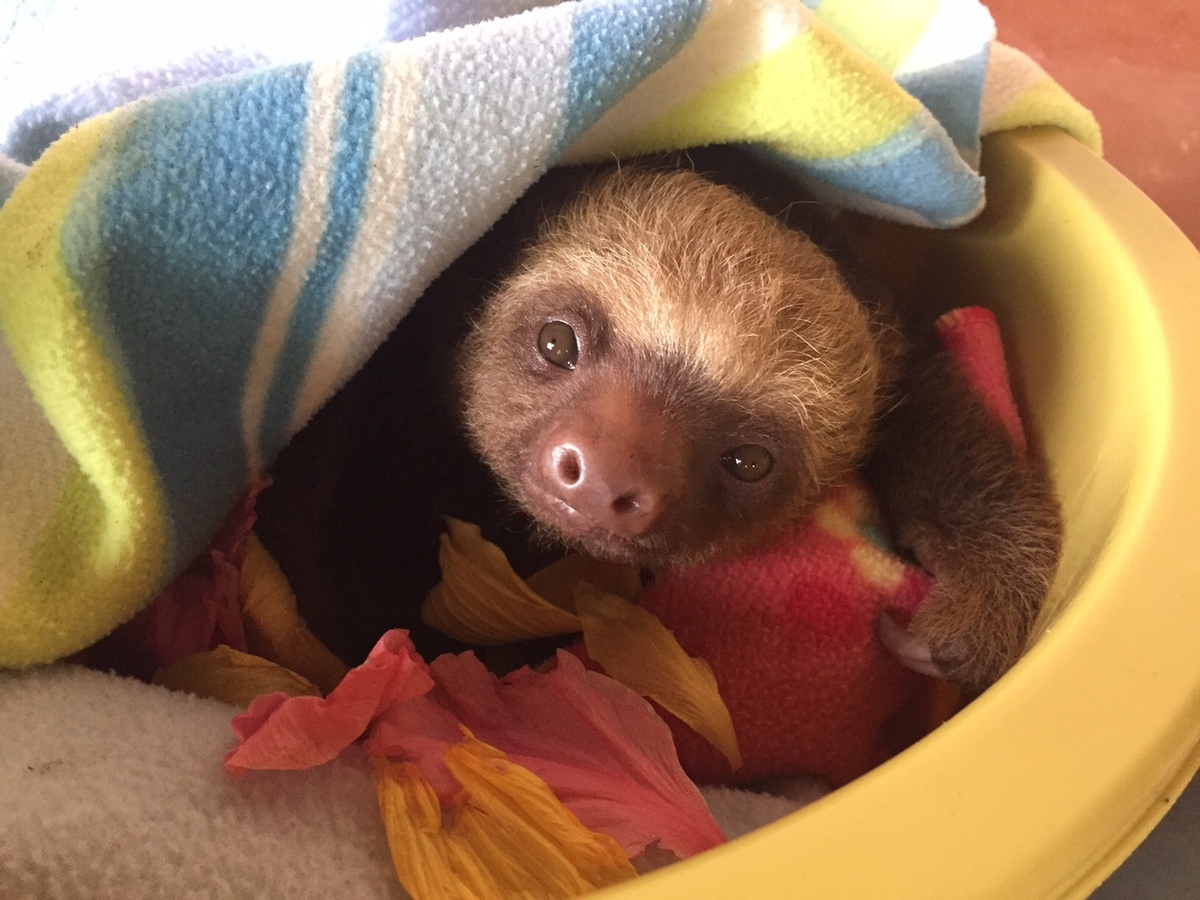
(420, 731)
(602, 749)
(200, 609)
(197, 612)
(280, 732)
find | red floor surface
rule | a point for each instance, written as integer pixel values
(1136, 65)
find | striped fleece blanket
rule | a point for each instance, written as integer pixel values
(232, 212)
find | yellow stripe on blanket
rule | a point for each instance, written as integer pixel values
(813, 98)
(1019, 93)
(108, 529)
(1047, 103)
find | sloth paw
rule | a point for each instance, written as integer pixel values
(917, 653)
(910, 650)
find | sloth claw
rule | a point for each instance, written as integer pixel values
(911, 651)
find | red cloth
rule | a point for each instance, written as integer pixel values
(972, 337)
(790, 629)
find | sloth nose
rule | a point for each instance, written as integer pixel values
(615, 462)
(606, 484)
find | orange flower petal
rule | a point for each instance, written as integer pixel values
(280, 732)
(557, 581)
(510, 837)
(412, 818)
(274, 629)
(233, 677)
(481, 599)
(636, 649)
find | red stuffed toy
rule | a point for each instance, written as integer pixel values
(790, 628)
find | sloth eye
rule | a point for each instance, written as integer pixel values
(749, 462)
(558, 345)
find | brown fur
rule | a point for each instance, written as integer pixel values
(982, 519)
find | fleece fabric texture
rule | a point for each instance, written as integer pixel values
(186, 278)
(114, 789)
(817, 693)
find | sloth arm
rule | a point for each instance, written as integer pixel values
(975, 512)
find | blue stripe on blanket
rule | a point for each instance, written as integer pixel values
(349, 178)
(616, 44)
(483, 140)
(954, 94)
(193, 225)
(909, 170)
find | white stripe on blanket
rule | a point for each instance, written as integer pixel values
(309, 220)
(727, 41)
(1010, 75)
(345, 326)
(956, 31)
(389, 255)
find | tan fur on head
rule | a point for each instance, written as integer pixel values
(692, 269)
(696, 292)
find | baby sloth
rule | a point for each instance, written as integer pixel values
(670, 374)
(674, 374)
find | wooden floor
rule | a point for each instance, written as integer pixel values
(1136, 65)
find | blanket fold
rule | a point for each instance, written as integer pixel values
(186, 278)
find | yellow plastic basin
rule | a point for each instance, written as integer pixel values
(1046, 783)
